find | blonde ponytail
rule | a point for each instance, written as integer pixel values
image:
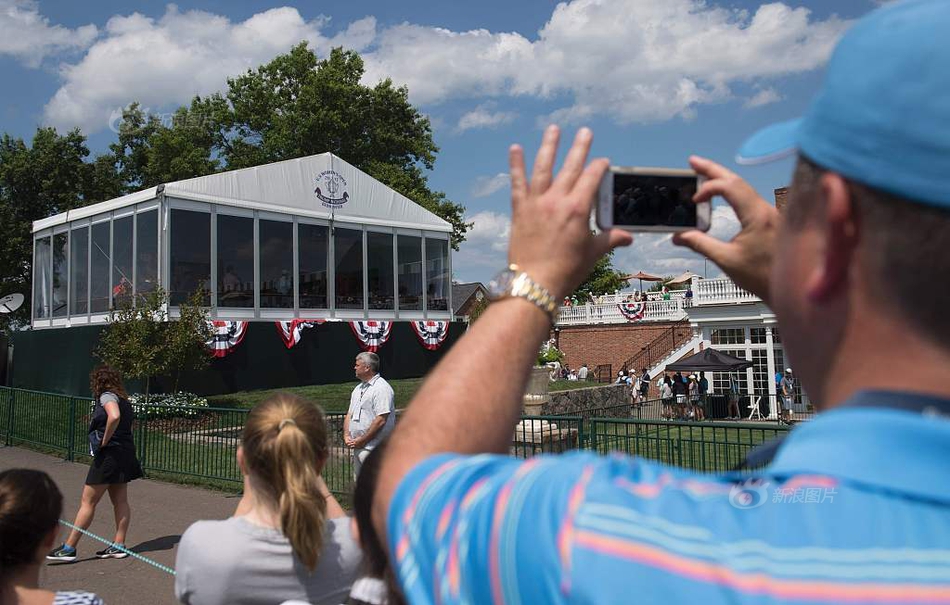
(285, 445)
(303, 511)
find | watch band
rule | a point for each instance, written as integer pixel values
(522, 286)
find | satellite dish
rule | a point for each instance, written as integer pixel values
(11, 302)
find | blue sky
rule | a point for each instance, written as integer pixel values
(655, 79)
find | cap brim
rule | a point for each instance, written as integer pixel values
(771, 143)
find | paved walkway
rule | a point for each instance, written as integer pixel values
(160, 514)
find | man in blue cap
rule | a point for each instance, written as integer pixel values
(855, 506)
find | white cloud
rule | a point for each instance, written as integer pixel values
(656, 253)
(487, 185)
(168, 60)
(28, 35)
(483, 117)
(763, 97)
(633, 60)
(485, 249)
(630, 60)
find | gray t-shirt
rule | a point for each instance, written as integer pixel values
(235, 562)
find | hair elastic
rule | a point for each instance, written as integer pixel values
(285, 422)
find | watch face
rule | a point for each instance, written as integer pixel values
(500, 285)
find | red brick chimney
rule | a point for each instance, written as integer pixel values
(781, 198)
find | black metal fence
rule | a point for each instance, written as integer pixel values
(198, 444)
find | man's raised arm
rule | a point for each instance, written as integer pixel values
(475, 410)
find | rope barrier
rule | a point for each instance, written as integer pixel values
(164, 568)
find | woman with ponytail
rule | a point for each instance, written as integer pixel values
(289, 539)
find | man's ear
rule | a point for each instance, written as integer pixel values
(838, 231)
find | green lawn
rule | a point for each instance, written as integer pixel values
(710, 447)
(336, 397)
(331, 397)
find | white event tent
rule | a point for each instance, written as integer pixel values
(311, 238)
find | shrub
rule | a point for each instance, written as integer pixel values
(549, 353)
(173, 405)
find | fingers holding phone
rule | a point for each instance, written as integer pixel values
(550, 230)
(747, 258)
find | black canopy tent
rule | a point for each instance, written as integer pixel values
(710, 360)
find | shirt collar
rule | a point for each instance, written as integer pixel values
(870, 440)
(371, 381)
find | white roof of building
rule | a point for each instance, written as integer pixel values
(317, 186)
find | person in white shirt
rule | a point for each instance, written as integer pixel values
(372, 410)
(582, 373)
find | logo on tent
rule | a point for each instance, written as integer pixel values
(335, 186)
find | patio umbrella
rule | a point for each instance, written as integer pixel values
(710, 360)
(642, 277)
(682, 279)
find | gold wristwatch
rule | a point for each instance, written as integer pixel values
(513, 282)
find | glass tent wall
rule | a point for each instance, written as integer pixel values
(84, 268)
(257, 264)
(243, 263)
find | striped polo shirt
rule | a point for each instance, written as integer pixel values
(855, 508)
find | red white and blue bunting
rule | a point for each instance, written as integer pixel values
(290, 330)
(431, 333)
(633, 311)
(227, 335)
(371, 334)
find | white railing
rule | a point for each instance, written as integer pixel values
(721, 291)
(609, 313)
(619, 297)
(604, 310)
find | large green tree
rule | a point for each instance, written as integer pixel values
(603, 279)
(295, 105)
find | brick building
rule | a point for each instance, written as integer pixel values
(465, 297)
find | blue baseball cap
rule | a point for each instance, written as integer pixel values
(882, 117)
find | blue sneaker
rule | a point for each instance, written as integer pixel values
(64, 554)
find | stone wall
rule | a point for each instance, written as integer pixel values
(580, 401)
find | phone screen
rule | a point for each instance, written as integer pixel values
(644, 200)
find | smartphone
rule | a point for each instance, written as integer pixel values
(651, 199)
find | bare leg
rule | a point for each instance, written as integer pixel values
(91, 494)
(119, 494)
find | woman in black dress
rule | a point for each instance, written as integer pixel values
(113, 465)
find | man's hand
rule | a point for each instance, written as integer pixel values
(550, 219)
(747, 258)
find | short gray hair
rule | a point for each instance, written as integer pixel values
(370, 359)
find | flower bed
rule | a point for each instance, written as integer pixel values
(168, 405)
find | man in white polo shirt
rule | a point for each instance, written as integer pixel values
(372, 412)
